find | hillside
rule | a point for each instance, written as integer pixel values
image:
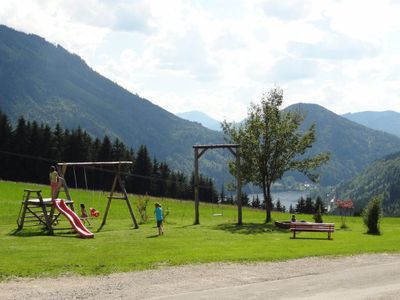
(388, 121)
(45, 82)
(202, 118)
(381, 178)
(352, 146)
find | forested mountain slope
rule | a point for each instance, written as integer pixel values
(45, 82)
(388, 121)
(353, 147)
(381, 178)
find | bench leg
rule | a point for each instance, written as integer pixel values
(294, 234)
(329, 235)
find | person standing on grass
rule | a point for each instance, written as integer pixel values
(54, 178)
(159, 218)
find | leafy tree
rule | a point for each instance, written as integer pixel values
(271, 144)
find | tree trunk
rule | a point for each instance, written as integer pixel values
(268, 201)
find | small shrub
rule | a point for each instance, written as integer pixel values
(142, 208)
(318, 216)
(372, 215)
(165, 213)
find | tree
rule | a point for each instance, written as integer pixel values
(278, 205)
(144, 169)
(5, 145)
(301, 205)
(372, 215)
(309, 207)
(319, 205)
(271, 144)
(255, 202)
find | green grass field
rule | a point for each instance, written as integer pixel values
(119, 247)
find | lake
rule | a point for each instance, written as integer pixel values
(286, 198)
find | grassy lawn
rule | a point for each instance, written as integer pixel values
(119, 247)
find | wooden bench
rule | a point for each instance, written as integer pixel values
(312, 227)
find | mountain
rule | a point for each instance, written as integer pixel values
(352, 146)
(388, 121)
(44, 82)
(381, 178)
(202, 118)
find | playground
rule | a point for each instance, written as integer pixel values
(119, 247)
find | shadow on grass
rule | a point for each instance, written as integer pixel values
(187, 226)
(311, 238)
(250, 228)
(22, 233)
(152, 236)
(63, 234)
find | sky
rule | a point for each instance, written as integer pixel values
(219, 56)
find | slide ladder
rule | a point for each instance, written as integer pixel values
(73, 219)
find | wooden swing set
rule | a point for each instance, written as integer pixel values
(199, 150)
(42, 210)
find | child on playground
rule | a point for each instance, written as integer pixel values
(159, 218)
(84, 215)
(54, 179)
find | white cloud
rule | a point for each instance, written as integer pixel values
(218, 57)
(335, 46)
(288, 69)
(286, 10)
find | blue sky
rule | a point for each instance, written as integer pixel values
(219, 56)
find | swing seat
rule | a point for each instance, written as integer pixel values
(217, 215)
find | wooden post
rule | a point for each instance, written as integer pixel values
(118, 179)
(197, 155)
(62, 171)
(44, 210)
(239, 186)
(196, 186)
(135, 224)
(109, 202)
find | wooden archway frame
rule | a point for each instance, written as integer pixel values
(62, 169)
(199, 150)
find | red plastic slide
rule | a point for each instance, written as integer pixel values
(73, 219)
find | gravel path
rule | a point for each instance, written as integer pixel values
(230, 279)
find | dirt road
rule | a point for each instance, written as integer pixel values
(356, 277)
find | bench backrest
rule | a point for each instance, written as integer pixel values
(303, 226)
